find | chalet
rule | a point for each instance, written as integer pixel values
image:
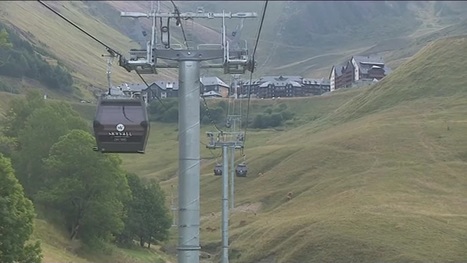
(288, 78)
(335, 77)
(215, 85)
(369, 68)
(357, 71)
(272, 86)
(209, 87)
(341, 76)
(165, 89)
(244, 86)
(281, 86)
(315, 86)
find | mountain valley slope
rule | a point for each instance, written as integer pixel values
(376, 175)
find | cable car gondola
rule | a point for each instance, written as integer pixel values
(218, 169)
(121, 125)
(241, 170)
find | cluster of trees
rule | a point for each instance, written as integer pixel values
(272, 117)
(86, 192)
(16, 219)
(168, 112)
(21, 59)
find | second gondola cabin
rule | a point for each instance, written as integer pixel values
(121, 125)
(218, 169)
(241, 170)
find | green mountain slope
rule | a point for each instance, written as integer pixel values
(373, 174)
(377, 177)
(384, 182)
(79, 53)
(57, 247)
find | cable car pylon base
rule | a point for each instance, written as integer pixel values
(189, 61)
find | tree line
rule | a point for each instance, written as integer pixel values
(168, 112)
(272, 117)
(85, 192)
(21, 59)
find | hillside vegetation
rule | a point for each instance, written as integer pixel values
(361, 175)
(73, 49)
(374, 174)
(86, 204)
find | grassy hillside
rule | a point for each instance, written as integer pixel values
(55, 243)
(375, 174)
(75, 50)
(57, 247)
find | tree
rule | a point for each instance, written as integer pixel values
(167, 112)
(133, 211)
(275, 120)
(148, 218)
(157, 220)
(20, 110)
(4, 41)
(86, 187)
(16, 219)
(7, 145)
(43, 127)
(260, 121)
(4, 44)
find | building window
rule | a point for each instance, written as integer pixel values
(163, 95)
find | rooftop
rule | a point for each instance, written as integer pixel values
(208, 81)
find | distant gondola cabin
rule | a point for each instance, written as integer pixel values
(218, 169)
(241, 170)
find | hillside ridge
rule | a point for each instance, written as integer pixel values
(368, 174)
(356, 181)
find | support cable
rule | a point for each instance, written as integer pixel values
(251, 74)
(179, 22)
(114, 52)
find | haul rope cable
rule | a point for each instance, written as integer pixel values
(251, 73)
(112, 51)
(109, 49)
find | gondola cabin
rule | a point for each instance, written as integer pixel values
(121, 125)
(241, 170)
(218, 170)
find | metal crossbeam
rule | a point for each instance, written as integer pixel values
(188, 15)
(220, 139)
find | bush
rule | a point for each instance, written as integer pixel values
(168, 112)
(272, 117)
(8, 88)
